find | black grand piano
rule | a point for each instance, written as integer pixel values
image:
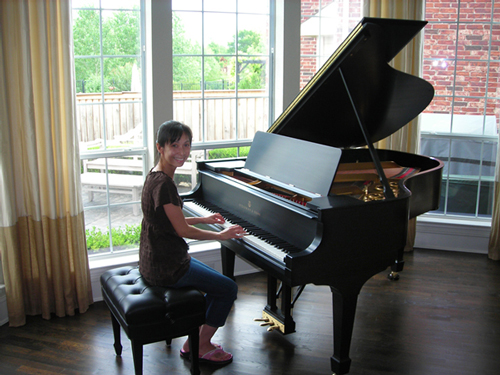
(321, 204)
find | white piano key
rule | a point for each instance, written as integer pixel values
(265, 247)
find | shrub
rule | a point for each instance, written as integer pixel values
(224, 153)
(98, 239)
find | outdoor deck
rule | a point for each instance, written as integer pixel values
(120, 215)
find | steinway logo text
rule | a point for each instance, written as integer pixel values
(248, 208)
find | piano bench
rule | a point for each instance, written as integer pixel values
(150, 314)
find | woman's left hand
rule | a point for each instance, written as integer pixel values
(215, 219)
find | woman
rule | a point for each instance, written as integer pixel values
(164, 259)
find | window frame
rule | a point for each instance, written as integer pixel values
(450, 137)
(205, 145)
(106, 153)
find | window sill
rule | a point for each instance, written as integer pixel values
(454, 220)
(132, 256)
(453, 234)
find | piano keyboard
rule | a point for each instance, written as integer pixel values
(257, 238)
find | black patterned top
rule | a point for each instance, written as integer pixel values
(163, 255)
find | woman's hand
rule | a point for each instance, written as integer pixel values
(234, 231)
(184, 226)
(214, 219)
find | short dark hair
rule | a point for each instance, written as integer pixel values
(171, 131)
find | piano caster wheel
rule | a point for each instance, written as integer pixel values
(394, 276)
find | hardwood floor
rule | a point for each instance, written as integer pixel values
(442, 317)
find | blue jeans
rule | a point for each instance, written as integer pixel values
(220, 291)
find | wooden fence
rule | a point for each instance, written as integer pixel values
(123, 113)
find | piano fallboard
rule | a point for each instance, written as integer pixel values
(297, 224)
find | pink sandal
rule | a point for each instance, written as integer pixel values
(207, 357)
(186, 355)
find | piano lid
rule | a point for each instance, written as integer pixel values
(358, 75)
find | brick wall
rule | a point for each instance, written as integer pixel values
(458, 39)
(458, 60)
(309, 44)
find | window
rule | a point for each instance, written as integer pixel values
(460, 126)
(221, 80)
(318, 38)
(221, 74)
(108, 36)
(462, 61)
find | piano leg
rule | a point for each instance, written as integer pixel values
(283, 315)
(395, 269)
(286, 308)
(399, 262)
(344, 310)
(227, 260)
(271, 293)
(397, 266)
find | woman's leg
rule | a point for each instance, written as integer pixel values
(220, 292)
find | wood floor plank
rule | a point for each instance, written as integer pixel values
(442, 317)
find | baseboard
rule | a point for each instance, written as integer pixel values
(4, 316)
(459, 235)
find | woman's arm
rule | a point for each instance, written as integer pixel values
(184, 229)
(212, 219)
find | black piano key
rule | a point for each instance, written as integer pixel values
(250, 228)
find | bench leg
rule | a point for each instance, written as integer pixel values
(137, 355)
(116, 334)
(194, 349)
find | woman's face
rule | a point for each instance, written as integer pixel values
(176, 153)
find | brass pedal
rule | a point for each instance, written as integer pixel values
(273, 327)
(265, 322)
(270, 322)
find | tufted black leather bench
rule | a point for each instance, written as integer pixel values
(149, 314)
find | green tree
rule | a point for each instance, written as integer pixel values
(121, 46)
(249, 42)
(251, 70)
(120, 36)
(86, 43)
(186, 69)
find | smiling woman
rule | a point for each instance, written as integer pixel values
(163, 253)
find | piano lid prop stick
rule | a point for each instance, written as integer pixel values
(383, 179)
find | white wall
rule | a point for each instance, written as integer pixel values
(3, 300)
(457, 235)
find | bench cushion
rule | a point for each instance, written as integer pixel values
(145, 310)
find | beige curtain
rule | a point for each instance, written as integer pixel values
(409, 60)
(494, 245)
(42, 237)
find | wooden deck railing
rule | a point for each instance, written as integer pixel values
(123, 112)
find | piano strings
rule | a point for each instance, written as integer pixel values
(359, 180)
